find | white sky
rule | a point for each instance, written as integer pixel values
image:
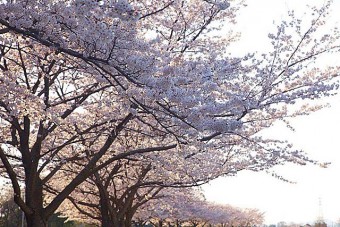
(316, 134)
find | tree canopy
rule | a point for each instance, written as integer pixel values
(88, 86)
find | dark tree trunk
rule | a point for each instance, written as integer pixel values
(106, 222)
(36, 220)
(128, 220)
(34, 200)
(105, 214)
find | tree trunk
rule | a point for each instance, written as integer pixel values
(106, 222)
(106, 219)
(105, 215)
(128, 222)
(36, 220)
(128, 218)
(121, 223)
(34, 200)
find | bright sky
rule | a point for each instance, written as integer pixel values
(316, 134)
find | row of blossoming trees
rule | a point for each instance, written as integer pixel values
(106, 103)
(173, 207)
(187, 207)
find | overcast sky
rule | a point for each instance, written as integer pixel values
(317, 134)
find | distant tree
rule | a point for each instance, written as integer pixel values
(293, 224)
(320, 224)
(188, 207)
(282, 224)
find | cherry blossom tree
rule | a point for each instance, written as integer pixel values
(79, 78)
(115, 193)
(189, 207)
(112, 195)
(173, 205)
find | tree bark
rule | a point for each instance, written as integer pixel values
(104, 210)
(34, 199)
(36, 220)
(128, 220)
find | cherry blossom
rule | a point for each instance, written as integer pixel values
(88, 84)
